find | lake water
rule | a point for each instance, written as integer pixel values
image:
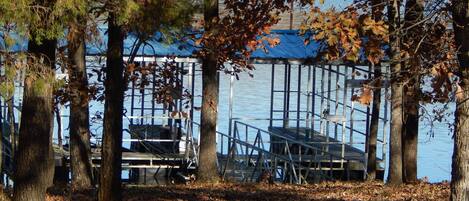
(252, 100)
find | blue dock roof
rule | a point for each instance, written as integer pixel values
(291, 46)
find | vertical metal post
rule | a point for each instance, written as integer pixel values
(313, 101)
(321, 109)
(170, 106)
(309, 115)
(132, 103)
(344, 113)
(298, 103)
(329, 80)
(337, 87)
(192, 77)
(288, 95)
(175, 85)
(152, 97)
(181, 83)
(142, 105)
(272, 89)
(352, 109)
(285, 78)
(230, 107)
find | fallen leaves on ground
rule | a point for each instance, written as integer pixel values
(329, 191)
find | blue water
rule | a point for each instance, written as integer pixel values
(252, 100)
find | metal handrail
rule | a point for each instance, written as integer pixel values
(290, 140)
(294, 119)
(288, 160)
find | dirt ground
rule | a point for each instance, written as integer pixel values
(328, 191)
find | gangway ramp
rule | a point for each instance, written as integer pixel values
(252, 152)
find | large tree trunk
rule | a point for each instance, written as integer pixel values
(207, 170)
(111, 170)
(395, 142)
(80, 150)
(460, 166)
(410, 131)
(413, 15)
(2, 134)
(34, 159)
(377, 12)
(374, 125)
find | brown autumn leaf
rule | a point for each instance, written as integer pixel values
(366, 191)
(365, 97)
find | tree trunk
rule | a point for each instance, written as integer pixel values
(413, 15)
(460, 166)
(410, 131)
(12, 129)
(377, 12)
(111, 170)
(395, 142)
(374, 125)
(2, 134)
(207, 170)
(34, 159)
(80, 150)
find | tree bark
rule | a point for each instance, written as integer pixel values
(460, 165)
(395, 142)
(34, 159)
(2, 134)
(80, 150)
(111, 170)
(207, 171)
(410, 131)
(413, 15)
(374, 125)
(377, 12)
(11, 123)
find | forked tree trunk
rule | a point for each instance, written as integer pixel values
(413, 15)
(460, 166)
(110, 178)
(80, 151)
(34, 164)
(207, 171)
(395, 141)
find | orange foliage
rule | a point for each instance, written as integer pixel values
(346, 33)
(365, 97)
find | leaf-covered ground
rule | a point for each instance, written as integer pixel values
(325, 191)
